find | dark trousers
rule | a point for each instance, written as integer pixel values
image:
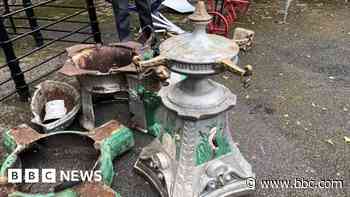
(121, 14)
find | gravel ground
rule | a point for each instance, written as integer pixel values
(291, 122)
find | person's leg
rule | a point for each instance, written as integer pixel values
(121, 15)
(144, 10)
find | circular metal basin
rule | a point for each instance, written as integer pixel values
(63, 152)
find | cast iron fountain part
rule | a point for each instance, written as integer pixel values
(109, 75)
(65, 150)
(194, 155)
(55, 90)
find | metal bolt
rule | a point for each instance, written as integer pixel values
(228, 177)
(212, 185)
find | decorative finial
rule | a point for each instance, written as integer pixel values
(200, 14)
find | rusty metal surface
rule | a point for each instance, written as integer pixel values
(54, 90)
(60, 151)
(64, 151)
(97, 59)
(24, 135)
(94, 190)
(104, 58)
(105, 130)
(102, 70)
(128, 183)
(6, 189)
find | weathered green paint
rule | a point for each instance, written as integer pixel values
(9, 142)
(223, 146)
(117, 194)
(9, 161)
(2, 159)
(147, 55)
(65, 193)
(151, 102)
(118, 143)
(204, 151)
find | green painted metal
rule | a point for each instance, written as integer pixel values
(183, 77)
(148, 55)
(3, 158)
(118, 143)
(151, 102)
(204, 151)
(9, 142)
(223, 146)
(117, 194)
(9, 161)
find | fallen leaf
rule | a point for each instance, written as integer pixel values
(347, 139)
(330, 141)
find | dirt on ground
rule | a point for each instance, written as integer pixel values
(292, 122)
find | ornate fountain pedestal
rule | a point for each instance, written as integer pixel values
(194, 154)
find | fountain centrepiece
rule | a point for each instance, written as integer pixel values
(194, 154)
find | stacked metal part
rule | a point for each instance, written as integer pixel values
(194, 154)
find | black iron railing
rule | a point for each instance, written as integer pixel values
(85, 27)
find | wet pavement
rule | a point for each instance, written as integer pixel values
(291, 122)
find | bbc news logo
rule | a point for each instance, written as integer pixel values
(51, 176)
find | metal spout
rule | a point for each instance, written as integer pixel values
(247, 71)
